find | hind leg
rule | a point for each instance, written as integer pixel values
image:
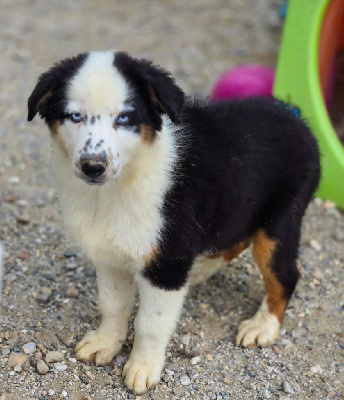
(275, 251)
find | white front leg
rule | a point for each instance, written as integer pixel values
(116, 295)
(157, 317)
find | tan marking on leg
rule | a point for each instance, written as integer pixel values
(263, 251)
(54, 130)
(147, 134)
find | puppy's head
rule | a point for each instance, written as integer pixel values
(103, 108)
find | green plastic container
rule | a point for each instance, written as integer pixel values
(297, 82)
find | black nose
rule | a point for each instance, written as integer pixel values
(93, 168)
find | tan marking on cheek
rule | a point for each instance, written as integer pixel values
(54, 130)
(152, 255)
(231, 253)
(147, 134)
(263, 251)
(111, 156)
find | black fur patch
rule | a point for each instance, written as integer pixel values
(248, 165)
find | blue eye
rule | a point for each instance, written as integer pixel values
(123, 119)
(75, 117)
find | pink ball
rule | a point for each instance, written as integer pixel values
(244, 81)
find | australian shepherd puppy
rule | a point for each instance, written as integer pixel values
(161, 190)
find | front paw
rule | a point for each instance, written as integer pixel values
(141, 374)
(98, 348)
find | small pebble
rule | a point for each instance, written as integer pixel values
(283, 331)
(120, 359)
(42, 367)
(10, 198)
(195, 360)
(186, 339)
(72, 291)
(60, 366)
(23, 219)
(328, 205)
(71, 265)
(241, 288)
(54, 356)
(29, 348)
(14, 180)
(23, 254)
(339, 236)
(17, 359)
(266, 394)
(38, 355)
(316, 369)
(43, 296)
(17, 368)
(69, 254)
(287, 388)
(277, 350)
(22, 203)
(185, 380)
(286, 343)
(315, 244)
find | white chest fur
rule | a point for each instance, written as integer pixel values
(122, 217)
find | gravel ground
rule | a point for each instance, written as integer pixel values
(50, 296)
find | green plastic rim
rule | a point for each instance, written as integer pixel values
(297, 82)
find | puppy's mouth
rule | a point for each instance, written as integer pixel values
(94, 181)
(91, 180)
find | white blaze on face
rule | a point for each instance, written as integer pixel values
(99, 93)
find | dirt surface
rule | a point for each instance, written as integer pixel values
(50, 296)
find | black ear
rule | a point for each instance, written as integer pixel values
(42, 92)
(50, 88)
(157, 83)
(164, 92)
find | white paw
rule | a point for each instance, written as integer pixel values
(141, 374)
(97, 348)
(261, 330)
